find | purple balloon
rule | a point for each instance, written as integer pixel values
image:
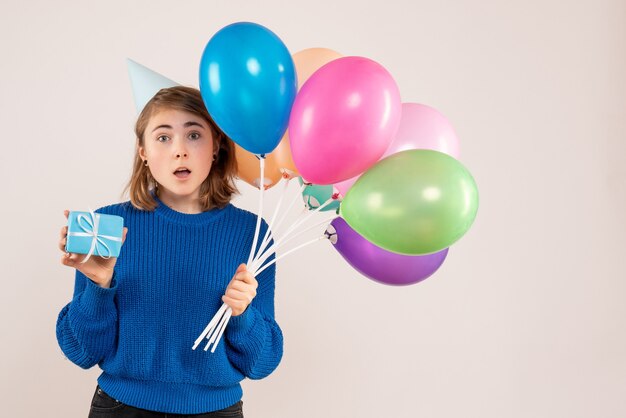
(379, 264)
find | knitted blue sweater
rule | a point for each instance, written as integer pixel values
(168, 281)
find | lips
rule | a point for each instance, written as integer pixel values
(182, 172)
(181, 169)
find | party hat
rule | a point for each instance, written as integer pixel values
(145, 83)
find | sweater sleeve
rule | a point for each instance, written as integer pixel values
(87, 326)
(254, 338)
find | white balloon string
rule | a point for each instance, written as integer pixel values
(265, 250)
(282, 218)
(266, 243)
(260, 213)
(293, 201)
(283, 241)
(306, 217)
(268, 234)
(260, 259)
(289, 252)
(219, 336)
(298, 233)
(215, 329)
(219, 330)
(216, 333)
(211, 325)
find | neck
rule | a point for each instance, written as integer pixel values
(184, 204)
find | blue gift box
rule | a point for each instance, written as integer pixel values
(94, 234)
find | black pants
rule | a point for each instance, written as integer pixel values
(104, 406)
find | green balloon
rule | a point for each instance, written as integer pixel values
(412, 202)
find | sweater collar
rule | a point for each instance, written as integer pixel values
(201, 218)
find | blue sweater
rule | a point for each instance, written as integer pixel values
(168, 281)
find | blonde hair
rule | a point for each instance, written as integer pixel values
(219, 186)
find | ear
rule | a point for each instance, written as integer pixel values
(142, 152)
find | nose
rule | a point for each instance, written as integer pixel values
(181, 150)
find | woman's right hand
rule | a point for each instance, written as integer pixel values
(98, 269)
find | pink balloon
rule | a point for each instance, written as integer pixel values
(421, 127)
(343, 119)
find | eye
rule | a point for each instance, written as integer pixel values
(162, 138)
(194, 136)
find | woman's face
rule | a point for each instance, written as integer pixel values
(179, 148)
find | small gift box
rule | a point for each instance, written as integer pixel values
(94, 234)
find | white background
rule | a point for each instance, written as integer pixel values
(526, 318)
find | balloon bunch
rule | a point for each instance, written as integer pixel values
(389, 169)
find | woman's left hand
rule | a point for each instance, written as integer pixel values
(240, 291)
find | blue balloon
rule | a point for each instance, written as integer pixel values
(248, 84)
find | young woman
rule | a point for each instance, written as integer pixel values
(138, 316)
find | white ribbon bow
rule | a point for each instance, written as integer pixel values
(91, 230)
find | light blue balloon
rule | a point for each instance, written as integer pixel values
(315, 195)
(248, 83)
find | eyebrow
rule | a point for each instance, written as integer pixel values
(186, 125)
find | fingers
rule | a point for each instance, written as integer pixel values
(237, 306)
(69, 259)
(242, 286)
(238, 295)
(245, 276)
(65, 260)
(124, 235)
(240, 290)
(63, 237)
